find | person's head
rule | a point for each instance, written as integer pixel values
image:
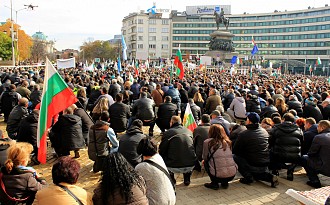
(215, 114)
(267, 123)
(36, 87)
(280, 102)
(143, 94)
(288, 117)
(146, 148)
(212, 92)
(175, 120)
(168, 99)
(12, 87)
(118, 174)
(325, 103)
(219, 137)
(68, 111)
(119, 97)
(102, 105)
(66, 170)
(198, 97)
(323, 125)
(277, 120)
(104, 90)
(275, 114)
(158, 87)
(18, 154)
(138, 123)
(293, 112)
(252, 118)
(105, 116)
(309, 122)
(81, 92)
(205, 118)
(25, 83)
(270, 101)
(190, 101)
(301, 122)
(24, 102)
(114, 81)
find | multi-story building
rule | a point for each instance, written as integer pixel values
(147, 35)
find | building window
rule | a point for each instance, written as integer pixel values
(140, 38)
(140, 21)
(153, 46)
(165, 30)
(164, 38)
(164, 46)
(152, 30)
(140, 29)
(152, 21)
(140, 46)
(152, 38)
(165, 21)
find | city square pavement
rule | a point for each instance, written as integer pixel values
(196, 193)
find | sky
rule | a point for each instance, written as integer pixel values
(71, 22)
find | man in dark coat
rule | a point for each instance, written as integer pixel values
(251, 153)
(183, 98)
(16, 115)
(165, 112)
(311, 110)
(252, 104)
(120, 113)
(269, 109)
(285, 144)
(114, 89)
(195, 110)
(177, 150)
(200, 134)
(35, 96)
(317, 159)
(309, 134)
(8, 100)
(294, 104)
(86, 121)
(228, 97)
(68, 134)
(326, 110)
(130, 141)
(135, 88)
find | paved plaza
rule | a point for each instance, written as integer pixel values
(196, 193)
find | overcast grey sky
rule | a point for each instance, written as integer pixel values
(71, 22)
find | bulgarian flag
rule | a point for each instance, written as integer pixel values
(318, 61)
(310, 68)
(178, 63)
(188, 119)
(56, 97)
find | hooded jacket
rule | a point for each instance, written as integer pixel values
(15, 118)
(253, 105)
(238, 106)
(285, 142)
(28, 129)
(128, 144)
(295, 105)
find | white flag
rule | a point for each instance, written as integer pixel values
(66, 63)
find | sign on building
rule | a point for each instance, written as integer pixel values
(207, 9)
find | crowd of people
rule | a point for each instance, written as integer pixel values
(255, 126)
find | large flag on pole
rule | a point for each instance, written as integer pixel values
(123, 44)
(56, 97)
(255, 49)
(179, 64)
(188, 119)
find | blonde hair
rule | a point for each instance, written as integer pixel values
(17, 154)
(198, 97)
(101, 106)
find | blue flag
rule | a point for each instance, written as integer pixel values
(119, 65)
(152, 9)
(234, 60)
(123, 44)
(255, 49)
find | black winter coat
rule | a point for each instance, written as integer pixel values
(326, 113)
(128, 144)
(196, 111)
(165, 112)
(268, 111)
(200, 134)
(253, 105)
(285, 142)
(308, 138)
(68, 133)
(143, 109)
(313, 111)
(85, 119)
(15, 117)
(35, 98)
(99, 144)
(28, 130)
(252, 145)
(297, 106)
(119, 115)
(177, 148)
(9, 99)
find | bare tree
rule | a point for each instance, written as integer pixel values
(38, 50)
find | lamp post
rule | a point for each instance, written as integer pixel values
(12, 32)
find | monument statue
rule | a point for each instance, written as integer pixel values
(221, 19)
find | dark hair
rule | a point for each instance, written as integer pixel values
(143, 94)
(137, 123)
(104, 90)
(168, 99)
(270, 101)
(276, 120)
(146, 148)
(105, 116)
(119, 97)
(66, 169)
(205, 118)
(288, 117)
(118, 173)
(275, 114)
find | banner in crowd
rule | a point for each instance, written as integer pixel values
(66, 63)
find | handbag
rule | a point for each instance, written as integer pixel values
(163, 170)
(71, 194)
(8, 196)
(206, 162)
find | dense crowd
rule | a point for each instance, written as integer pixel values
(256, 125)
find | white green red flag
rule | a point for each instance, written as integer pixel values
(188, 119)
(318, 61)
(56, 97)
(179, 64)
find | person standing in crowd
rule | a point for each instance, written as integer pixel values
(177, 150)
(35, 96)
(68, 134)
(101, 137)
(104, 94)
(251, 153)
(218, 158)
(317, 160)
(200, 134)
(311, 110)
(195, 110)
(326, 110)
(16, 115)
(129, 142)
(252, 104)
(285, 144)
(216, 118)
(135, 88)
(212, 101)
(20, 182)
(120, 183)
(165, 112)
(294, 104)
(65, 174)
(82, 98)
(114, 88)
(8, 100)
(120, 113)
(158, 96)
(183, 99)
(198, 100)
(237, 108)
(86, 121)
(155, 173)
(309, 134)
(101, 106)
(23, 89)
